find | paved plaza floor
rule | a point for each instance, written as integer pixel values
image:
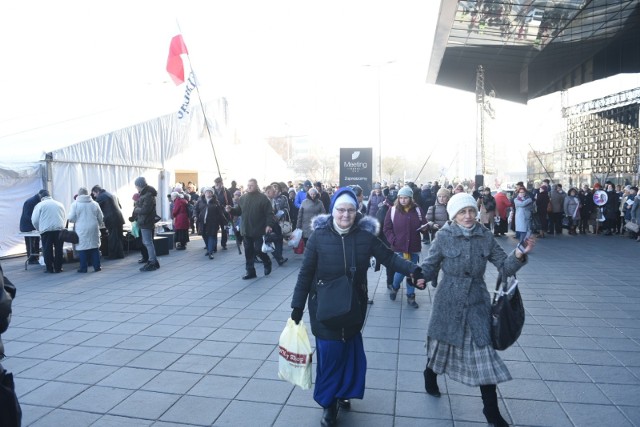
(192, 344)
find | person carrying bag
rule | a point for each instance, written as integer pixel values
(341, 362)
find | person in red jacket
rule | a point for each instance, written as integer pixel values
(180, 215)
(502, 211)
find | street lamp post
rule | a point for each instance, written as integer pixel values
(378, 67)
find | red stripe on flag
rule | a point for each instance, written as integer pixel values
(175, 67)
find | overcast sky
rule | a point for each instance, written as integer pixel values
(287, 67)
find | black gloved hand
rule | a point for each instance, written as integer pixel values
(417, 275)
(296, 315)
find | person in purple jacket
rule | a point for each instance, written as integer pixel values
(402, 227)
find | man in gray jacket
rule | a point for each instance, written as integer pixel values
(49, 217)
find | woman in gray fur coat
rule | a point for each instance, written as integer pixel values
(458, 336)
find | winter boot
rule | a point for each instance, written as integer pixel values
(431, 383)
(411, 301)
(330, 415)
(490, 402)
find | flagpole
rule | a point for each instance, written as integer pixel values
(206, 122)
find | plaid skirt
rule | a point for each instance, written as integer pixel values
(469, 364)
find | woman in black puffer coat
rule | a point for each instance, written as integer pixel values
(339, 240)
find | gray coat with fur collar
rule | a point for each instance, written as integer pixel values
(325, 256)
(462, 297)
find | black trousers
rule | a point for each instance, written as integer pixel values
(52, 250)
(253, 248)
(224, 236)
(556, 222)
(32, 245)
(278, 243)
(114, 241)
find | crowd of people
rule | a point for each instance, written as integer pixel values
(341, 234)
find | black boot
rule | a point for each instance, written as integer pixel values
(251, 274)
(431, 382)
(330, 415)
(490, 410)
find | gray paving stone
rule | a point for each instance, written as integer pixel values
(80, 354)
(595, 415)
(268, 391)
(116, 356)
(577, 392)
(196, 363)
(253, 351)
(31, 413)
(173, 382)
(218, 386)
(421, 405)
(53, 394)
(42, 336)
(632, 413)
(106, 340)
(67, 418)
(381, 360)
(237, 367)
(145, 404)
(469, 409)
(381, 379)
(45, 351)
(131, 378)
(213, 348)
(154, 360)
(567, 372)
(48, 369)
(299, 417)
(176, 345)
(537, 413)
(97, 399)
(242, 414)
(195, 410)
(610, 374)
(87, 373)
(381, 345)
(140, 342)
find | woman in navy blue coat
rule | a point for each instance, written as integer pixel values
(339, 239)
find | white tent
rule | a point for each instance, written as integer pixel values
(110, 148)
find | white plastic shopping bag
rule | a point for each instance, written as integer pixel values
(296, 235)
(294, 363)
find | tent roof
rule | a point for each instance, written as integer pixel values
(27, 138)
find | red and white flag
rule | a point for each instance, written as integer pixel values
(175, 67)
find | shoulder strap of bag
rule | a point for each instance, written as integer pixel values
(503, 280)
(353, 260)
(393, 213)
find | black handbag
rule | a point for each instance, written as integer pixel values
(507, 313)
(337, 304)
(69, 236)
(10, 411)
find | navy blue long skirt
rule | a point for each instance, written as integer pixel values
(340, 371)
